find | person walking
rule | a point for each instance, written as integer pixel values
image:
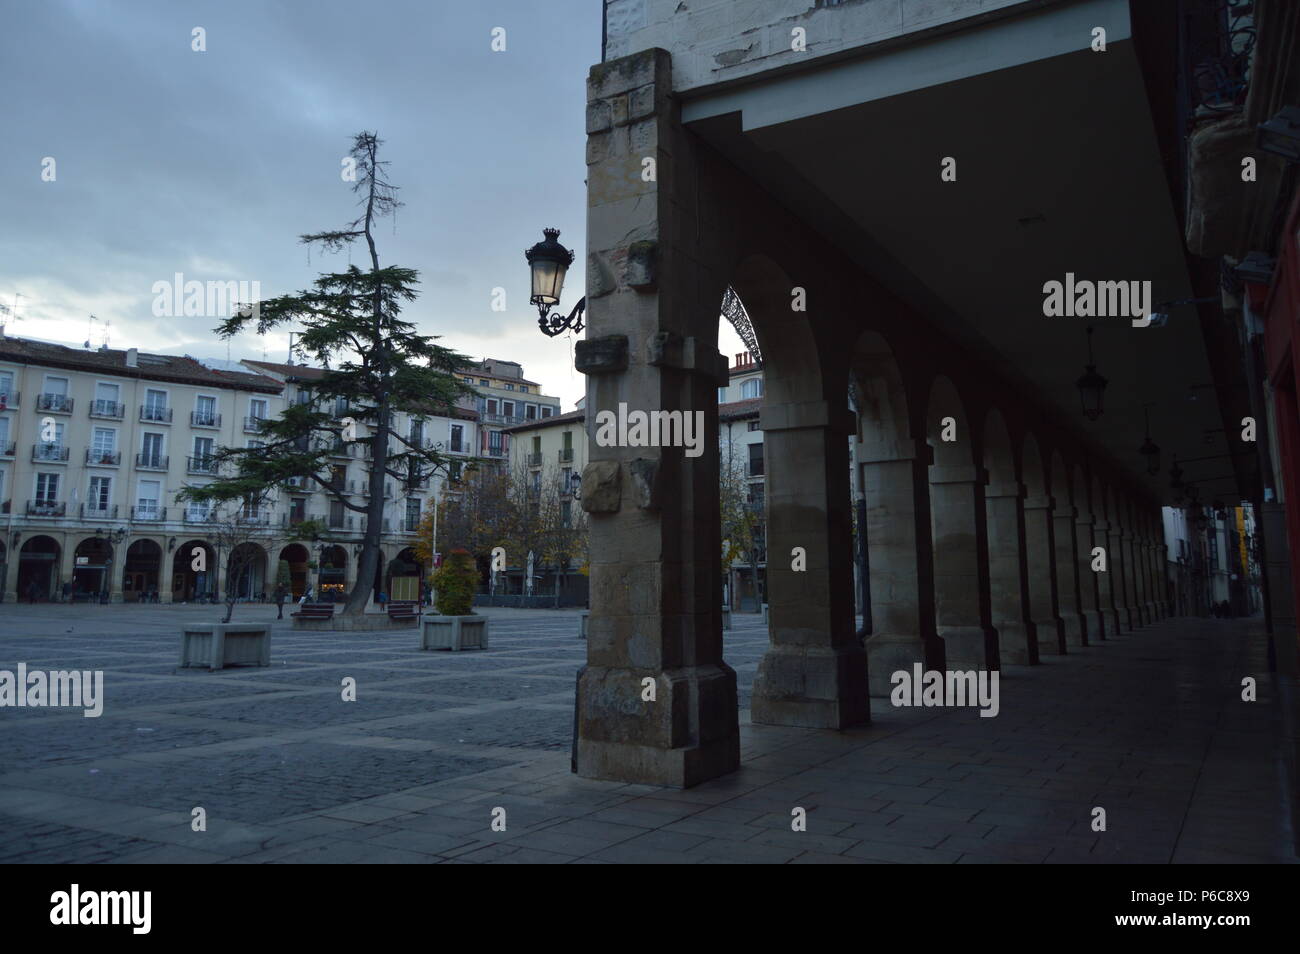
(67, 590)
(280, 594)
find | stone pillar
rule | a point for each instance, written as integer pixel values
(1122, 573)
(1281, 592)
(67, 563)
(1104, 535)
(166, 572)
(1142, 560)
(815, 672)
(961, 583)
(898, 551)
(1155, 566)
(1090, 603)
(1068, 601)
(1008, 586)
(652, 314)
(1041, 575)
(116, 570)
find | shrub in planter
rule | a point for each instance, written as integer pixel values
(455, 582)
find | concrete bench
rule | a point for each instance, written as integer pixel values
(453, 632)
(403, 609)
(316, 611)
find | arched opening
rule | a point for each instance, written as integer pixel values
(293, 564)
(92, 562)
(194, 573)
(958, 527)
(1086, 537)
(246, 573)
(38, 562)
(405, 576)
(140, 572)
(1069, 601)
(333, 574)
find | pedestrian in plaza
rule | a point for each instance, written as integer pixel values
(33, 590)
(67, 590)
(280, 594)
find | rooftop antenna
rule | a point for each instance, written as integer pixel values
(292, 334)
(90, 324)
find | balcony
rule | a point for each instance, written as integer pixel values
(755, 468)
(200, 465)
(365, 523)
(8, 450)
(46, 508)
(57, 403)
(252, 425)
(296, 483)
(338, 521)
(151, 461)
(153, 414)
(197, 515)
(458, 447)
(495, 450)
(340, 448)
(93, 512)
(535, 459)
(566, 455)
(8, 400)
(149, 512)
(103, 458)
(411, 526)
(50, 453)
(256, 518)
(294, 519)
(110, 410)
(205, 419)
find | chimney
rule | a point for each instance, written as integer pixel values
(132, 357)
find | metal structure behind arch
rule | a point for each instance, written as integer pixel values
(734, 311)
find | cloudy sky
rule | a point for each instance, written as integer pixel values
(212, 163)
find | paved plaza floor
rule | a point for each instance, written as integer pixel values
(1149, 726)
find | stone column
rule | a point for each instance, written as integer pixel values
(1122, 572)
(1155, 566)
(898, 550)
(815, 672)
(1008, 586)
(66, 564)
(1104, 535)
(1041, 575)
(1281, 592)
(1068, 601)
(166, 572)
(1142, 560)
(1090, 602)
(652, 314)
(961, 582)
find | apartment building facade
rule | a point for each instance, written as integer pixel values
(95, 445)
(506, 399)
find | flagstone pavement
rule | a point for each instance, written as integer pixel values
(1149, 726)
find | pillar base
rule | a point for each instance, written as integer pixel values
(1076, 630)
(1017, 642)
(689, 734)
(970, 647)
(1051, 636)
(814, 687)
(1113, 624)
(888, 653)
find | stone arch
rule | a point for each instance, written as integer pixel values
(246, 572)
(891, 470)
(405, 576)
(38, 567)
(1040, 551)
(92, 563)
(297, 557)
(1005, 545)
(142, 571)
(958, 528)
(189, 584)
(332, 574)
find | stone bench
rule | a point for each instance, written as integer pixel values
(218, 645)
(315, 611)
(404, 610)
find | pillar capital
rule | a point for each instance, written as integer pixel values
(1040, 502)
(1011, 489)
(958, 474)
(885, 452)
(800, 415)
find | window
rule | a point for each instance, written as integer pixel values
(752, 388)
(457, 437)
(417, 433)
(101, 492)
(547, 411)
(510, 387)
(537, 483)
(255, 444)
(566, 512)
(468, 380)
(753, 425)
(51, 450)
(203, 448)
(297, 510)
(756, 460)
(257, 409)
(484, 382)
(6, 387)
(106, 396)
(495, 443)
(453, 472)
(152, 450)
(304, 395)
(56, 386)
(566, 480)
(47, 488)
(491, 406)
(205, 410)
(722, 395)
(530, 412)
(155, 405)
(4, 435)
(412, 513)
(508, 408)
(146, 504)
(104, 443)
(537, 444)
(523, 388)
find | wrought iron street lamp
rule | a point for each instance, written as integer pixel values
(549, 261)
(1149, 449)
(1092, 386)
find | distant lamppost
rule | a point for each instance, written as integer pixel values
(1092, 386)
(114, 538)
(549, 261)
(1149, 449)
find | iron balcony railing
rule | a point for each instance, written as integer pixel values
(46, 508)
(257, 518)
(151, 461)
(8, 400)
(50, 453)
(8, 450)
(107, 409)
(59, 403)
(150, 513)
(103, 458)
(412, 525)
(193, 515)
(201, 465)
(205, 419)
(93, 512)
(338, 521)
(254, 425)
(566, 455)
(535, 459)
(155, 414)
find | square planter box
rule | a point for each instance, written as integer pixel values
(586, 617)
(453, 632)
(218, 645)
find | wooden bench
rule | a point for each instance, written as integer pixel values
(316, 611)
(403, 609)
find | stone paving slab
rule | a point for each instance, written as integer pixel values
(1148, 725)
